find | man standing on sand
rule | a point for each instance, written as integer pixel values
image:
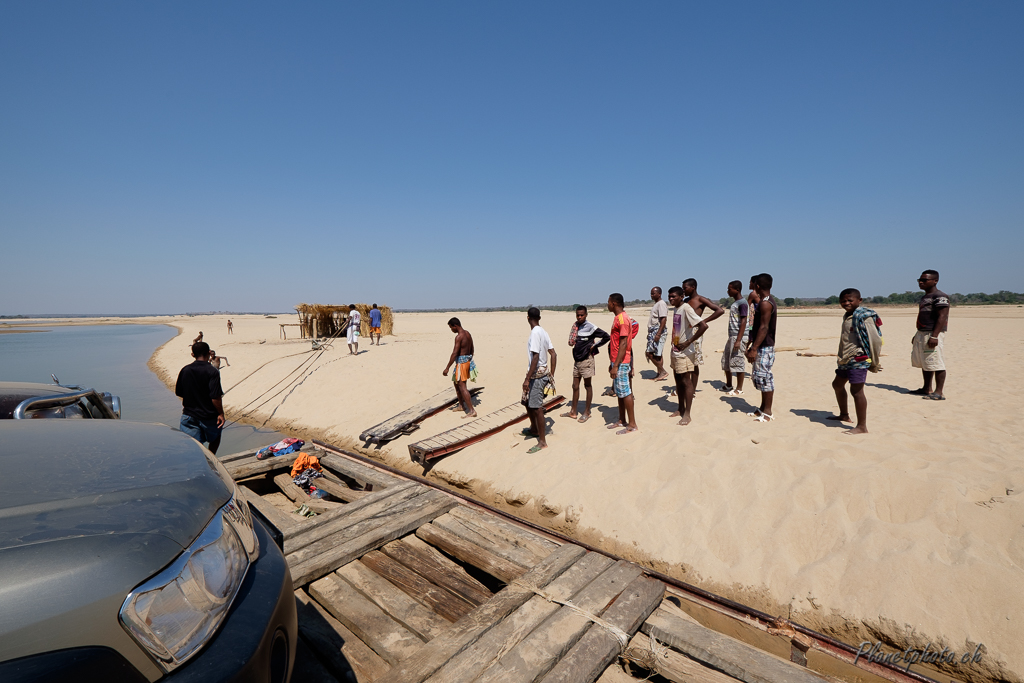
(860, 351)
(538, 376)
(698, 302)
(198, 385)
(231, 327)
(657, 333)
(761, 350)
(216, 360)
(375, 324)
(684, 352)
(733, 361)
(932, 321)
(585, 339)
(622, 357)
(465, 368)
(351, 329)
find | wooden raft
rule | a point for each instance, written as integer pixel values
(473, 431)
(407, 421)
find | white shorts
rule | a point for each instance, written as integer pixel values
(927, 358)
(353, 335)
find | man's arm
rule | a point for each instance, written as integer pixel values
(455, 353)
(662, 323)
(718, 310)
(739, 337)
(762, 329)
(702, 327)
(623, 345)
(554, 360)
(534, 360)
(219, 405)
(598, 339)
(940, 327)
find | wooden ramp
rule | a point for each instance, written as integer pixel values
(473, 431)
(407, 421)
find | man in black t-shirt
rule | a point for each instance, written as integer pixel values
(926, 350)
(198, 386)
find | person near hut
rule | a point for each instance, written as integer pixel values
(351, 329)
(375, 324)
(465, 367)
(539, 378)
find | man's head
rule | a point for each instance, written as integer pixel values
(351, 307)
(735, 289)
(201, 351)
(753, 283)
(763, 282)
(375, 305)
(689, 286)
(533, 315)
(655, 294)
(581, 314)
(928, 279)
(849, 299)
(675, 296)
(615, 302)
(454, 325)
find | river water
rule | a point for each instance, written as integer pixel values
(110, 358)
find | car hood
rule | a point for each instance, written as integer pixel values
(61, 480)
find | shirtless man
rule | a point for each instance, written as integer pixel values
(199, 338)
(216, 360)
(462, 358)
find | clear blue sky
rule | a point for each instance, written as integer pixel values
(186, 156)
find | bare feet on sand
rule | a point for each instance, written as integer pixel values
(469, 414)
(839, 418)
(684, 421)
(857, 430)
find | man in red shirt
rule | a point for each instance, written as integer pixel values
(622, 356)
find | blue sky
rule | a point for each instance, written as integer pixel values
(168, 157)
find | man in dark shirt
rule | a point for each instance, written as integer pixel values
(198, 386)
(926, 350)
(585, 339)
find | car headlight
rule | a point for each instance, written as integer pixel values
(175, 613)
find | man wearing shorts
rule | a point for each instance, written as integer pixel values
(932, 321)
(352, 329)
(761, 350)
(657, 334)
(585, 339)
(198, 386)
(465, 367)
(860, 351)
(733, 361)
(375, 324)
(622, 357)
(538, 376)
(687, 329)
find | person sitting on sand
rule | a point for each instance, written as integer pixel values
(375, 324)
(465, 367)
(860, 350)
(538, 375)
(351, 329)
(932, 320)
(687, 329)
(622, 357)
(657, 334)
(733, 360)
(585, 339)
(761, 350)
(216, 360)
(199, 338)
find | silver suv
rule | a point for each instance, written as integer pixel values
(24, 401)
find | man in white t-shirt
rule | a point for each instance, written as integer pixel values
(687, 329)
(657, 334)
(352, 329)
(539, 375)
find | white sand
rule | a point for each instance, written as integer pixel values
(912, 534)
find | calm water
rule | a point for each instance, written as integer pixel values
(110, 358)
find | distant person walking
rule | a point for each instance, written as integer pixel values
(231, 327)
(761, 350)
(622, 357)
(733, 360)
(465, 367)
(687, 330)
(860, 351)
(216, 360)
(375, 324)
(585, 339)
(932, 322)
(657, 334)
(198, 386)
(538, 376)
(351, 329)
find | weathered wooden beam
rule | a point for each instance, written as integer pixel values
(300, 497)
(358, 471)
(526, 538)
(444, 573)
(422, 621)
(487, 538)
(467, 630)
(443, 602)
(396, 425)
(270, 512)
(667, 663)
(243, 469)
(334, 644)
(470, 553)
(338, 490)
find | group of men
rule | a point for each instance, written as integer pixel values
(350, 328)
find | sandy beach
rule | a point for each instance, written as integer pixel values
(911, 534)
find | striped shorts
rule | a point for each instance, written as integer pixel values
(761, 371)
(621, 383)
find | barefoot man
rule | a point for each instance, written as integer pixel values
(622, 336)
(932, 319)
(687, 330)
(465, 368)
(585, 339)
(698, 302)
(657, 333)
(538, 376)
(860, 350)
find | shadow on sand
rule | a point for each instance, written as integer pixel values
(821, 417)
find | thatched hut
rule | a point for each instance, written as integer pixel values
(322, 320)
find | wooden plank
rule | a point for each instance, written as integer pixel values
(389, 639)
(393, 600)
(358, 471)
(336, 646)
(339, 490)
(270, 512)
(538, 545)
(670, 664)
(539, 651)
(447, 604)
(598, 647)
(463, 550)
(322, 525)
(341, 548)
(242, 469)
(444, 573)
(237, 455)
(487, 538)
(469, 663)
(394, 426)
(288, 488)
(468, 629)
(726, 654)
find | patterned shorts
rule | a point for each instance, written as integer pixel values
(621, 383)
(761, 371)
